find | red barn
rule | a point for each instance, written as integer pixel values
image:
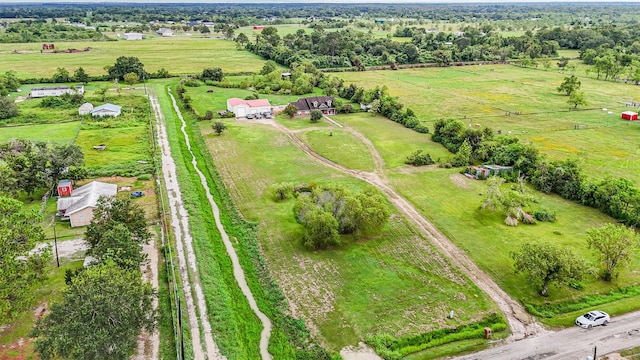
(630, 115)
(258, 27)
(65, 187)
(45, 46)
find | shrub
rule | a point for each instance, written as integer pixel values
(192, 83)
(144, 177)
(419, 158)
(207, 115)
(544, 215)
(8, 108)
(281, 191)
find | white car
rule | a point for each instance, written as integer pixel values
(593, 318)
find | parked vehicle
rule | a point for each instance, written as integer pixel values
(137, 194)
(250, 116)
(593, 318)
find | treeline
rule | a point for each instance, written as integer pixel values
(39, 30)
(619, 198)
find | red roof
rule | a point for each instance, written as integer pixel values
(250, 103)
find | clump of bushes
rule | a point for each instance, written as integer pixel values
(545, 215)
(419, 158)
(65, 100)
(192, 83)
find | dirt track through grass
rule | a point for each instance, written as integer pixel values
(238, 272)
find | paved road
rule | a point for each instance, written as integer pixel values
(571, 344)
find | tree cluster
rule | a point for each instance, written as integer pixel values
(105, 307)
(330, 211)
(27, 31)
(125, 65)
(9, 82)
(30, 166)
(419, 158)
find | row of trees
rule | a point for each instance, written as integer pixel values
(545, 264)
(105, 307)
(30, 166)
(39, 30)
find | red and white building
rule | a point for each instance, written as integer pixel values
(244, 107)
(630, 115)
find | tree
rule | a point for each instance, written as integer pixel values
(321, 229)
(614, 245)
(213, 74)
(81, 76)
(242, 39)
(116, 244)
(290, 110)
(218, 127)
(268, 67)
(125, 65)
(111, 211)
(61, 158)
(281, 191)
(28, 161)
(569, 85)
(577, 98)
(21, 270)
(102, 92)
(546, 264)
(61, 75)
(373, 213)
(463, 156)
(131, 78)
(8, 108)
(316, 115)
(100, 316)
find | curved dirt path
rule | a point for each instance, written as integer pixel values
(522, 324)
(184, 247)
(238, 272)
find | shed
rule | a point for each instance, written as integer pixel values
(132, 36)
(65, 188)
(40, 92)
(85, 109)
(630, 115)
(243, 108)
(106, 110)
(258, 27)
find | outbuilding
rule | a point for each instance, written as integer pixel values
(630, 115)
(85, 109)
(106, 110)
(40, 92)
(65, 188)
(132, 36)
(243, 108)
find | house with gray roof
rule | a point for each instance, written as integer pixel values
(106, 110)
(78, 208)
(322, 103)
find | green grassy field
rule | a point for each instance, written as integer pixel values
(177, 55)
(451, 202)
(340, 146)
(484, 95)
(60, 133)
(344, 293)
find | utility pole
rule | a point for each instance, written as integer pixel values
(55, 241)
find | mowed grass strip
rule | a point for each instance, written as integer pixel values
(59, 133)
(178, 55)
(341, 147)
(393, 282)
(451, 201)
(484, 95)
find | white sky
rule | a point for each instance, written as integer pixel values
(312, 1)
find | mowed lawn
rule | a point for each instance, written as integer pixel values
(178, 55)
(491, 96)
(395, 282)
(60, 133)
(451, 201)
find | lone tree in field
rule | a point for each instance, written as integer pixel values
(218, 127)
(577, 98)
(100, 316)
(81, 76)
(545, 264)
(125, 65)
(316, 115)
(614, 245)
(19, 233)
(213, 74)
(291, 110)
(131, 78)
(569, 85)
(8, 108)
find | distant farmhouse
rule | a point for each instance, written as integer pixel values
(132, 36)
(41, 92)
(322, 103)
(106, 110)
(164, 32)
(243, 108)
(78, 206)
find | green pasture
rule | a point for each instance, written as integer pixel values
(451, 202)
(60, 133)
(341, 147)
(344, 293)
(492, 95)
(181, 55)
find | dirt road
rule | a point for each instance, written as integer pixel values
(238, 272)
(184, 246)
(520, 322)
(571, 344)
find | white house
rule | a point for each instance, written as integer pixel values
(106, 110)
(243, 107)
(78, 208)
(164, 32)
(132, 36)
(85, 109)
(41, 92)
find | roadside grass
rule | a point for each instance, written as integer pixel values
(451, 202)
(125, 147)
(341, 147)
(62, 133)
(168, 53)
(345, 292)
(485, 94)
